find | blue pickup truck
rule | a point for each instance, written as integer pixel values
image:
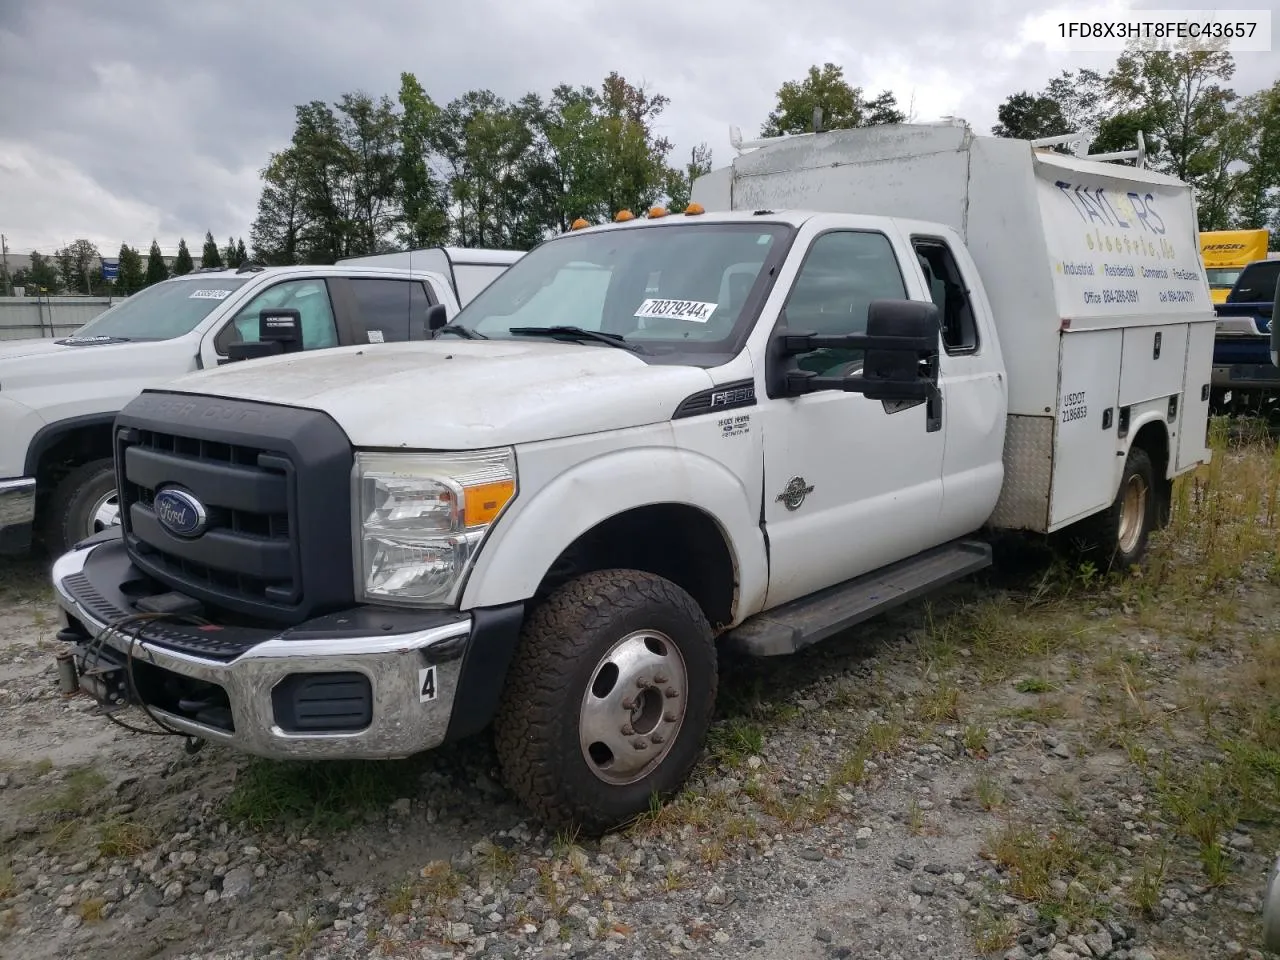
(1244, 376)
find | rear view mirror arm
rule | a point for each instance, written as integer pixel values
(794, 344)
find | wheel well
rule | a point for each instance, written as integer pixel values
(1154, 439)
(70, 448)
(674, 541)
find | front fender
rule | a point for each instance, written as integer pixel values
(526, 541)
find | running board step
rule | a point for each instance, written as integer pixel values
(802, 622)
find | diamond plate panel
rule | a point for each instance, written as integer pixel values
(1028, 473)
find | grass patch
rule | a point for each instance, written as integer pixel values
(1035, 685)
(734, 740)
(8, 883)
(24, 580)
(73, 796)
(325, 795)
(993, 933)
(436, 884)
(126, 838)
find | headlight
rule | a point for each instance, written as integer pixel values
(420, 519)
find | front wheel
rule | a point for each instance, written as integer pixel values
(83, 503)
(608, 699)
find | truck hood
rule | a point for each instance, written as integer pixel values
(461, 394)
(44, 374)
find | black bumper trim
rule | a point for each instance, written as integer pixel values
(495, 631)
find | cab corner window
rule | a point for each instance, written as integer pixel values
(392, 310)
(842, 273)
(946, 286)
(310, 297)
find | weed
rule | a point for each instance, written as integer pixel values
(1032, 858)
(988, 793)
(125, 838)
(734, 740)
(91, 910)
(915, 818)
(1035, 685)
(975, 738)
(1144, 891)
(992, 933)
(8, 883)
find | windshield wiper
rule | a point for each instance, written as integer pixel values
(576, 333)
(464, 332)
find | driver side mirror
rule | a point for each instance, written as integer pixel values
(279, 331)
(900, 360)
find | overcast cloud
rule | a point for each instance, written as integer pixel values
(154, 122)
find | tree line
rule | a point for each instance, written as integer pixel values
(369, 174)
(77, 267)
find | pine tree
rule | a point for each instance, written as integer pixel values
(131, 279)
(210, 257)
(183, 264)
(242, 255)
(156, 269)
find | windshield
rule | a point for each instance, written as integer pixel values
(163, 311)
(1258, 283)
(1223, 278)
(669, 290)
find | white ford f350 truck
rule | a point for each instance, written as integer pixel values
(58, 398)
(757, 427)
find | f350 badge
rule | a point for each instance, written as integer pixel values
(794, 493)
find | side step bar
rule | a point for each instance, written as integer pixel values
(802, 622)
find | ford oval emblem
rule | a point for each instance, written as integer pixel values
(180, 512)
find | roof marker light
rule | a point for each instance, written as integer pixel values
(579, 224)
(623, 216)
(693, 209)
(656, 212)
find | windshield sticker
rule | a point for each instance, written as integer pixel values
(695, 311)
(209, 295)
(375, 336)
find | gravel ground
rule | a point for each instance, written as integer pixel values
(1040, 765)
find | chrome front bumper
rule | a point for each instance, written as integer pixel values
(405, 720)
(17, 514)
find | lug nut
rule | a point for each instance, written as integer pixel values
(671, 716)
(628, 703)
(660, 678)
(671, 693)
(657, 738)
(640, 744)
(627, 730)
(641, 682)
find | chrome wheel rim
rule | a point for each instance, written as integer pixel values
(633, 707)
(105, 513)
(1133, 513)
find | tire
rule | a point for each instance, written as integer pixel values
(581, 652)
(1120, 534)
(82, 494)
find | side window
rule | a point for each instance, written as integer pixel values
(392, 310)
(947, 287)
(310, 297)
(842, 273)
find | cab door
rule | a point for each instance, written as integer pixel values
(850, 484)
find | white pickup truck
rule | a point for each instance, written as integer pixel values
(756, 427)
(58, 398)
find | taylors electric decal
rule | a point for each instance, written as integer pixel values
(1120, 250)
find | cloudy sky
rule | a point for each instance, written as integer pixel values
(151, 118)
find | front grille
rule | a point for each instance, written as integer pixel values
(274, 483)
(245, 552)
